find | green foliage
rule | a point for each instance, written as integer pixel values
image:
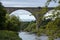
(53, 30)
(50, 30)
(31, 27)
(2, 16)
(49, 27)
(57, 22)
(24, 25)
(40, 15)
(9, 35)
(48, 2)
(8, 23)
(12, 23)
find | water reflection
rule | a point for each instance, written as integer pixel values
(57, 39)
(27, 36)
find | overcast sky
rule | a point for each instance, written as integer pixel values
(26, 3)
(24, 16)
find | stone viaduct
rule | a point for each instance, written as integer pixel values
(33, 10)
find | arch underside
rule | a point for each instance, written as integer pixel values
(33, 10)
(30, 9)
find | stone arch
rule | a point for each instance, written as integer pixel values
(21, 12)
(30, 9)
(33, 10)
(24, 14)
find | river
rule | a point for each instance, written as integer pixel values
(28, 36)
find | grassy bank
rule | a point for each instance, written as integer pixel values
(9, 35)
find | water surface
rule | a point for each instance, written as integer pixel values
(28, 36)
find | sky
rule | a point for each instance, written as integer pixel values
(27, 3)
(24, 16)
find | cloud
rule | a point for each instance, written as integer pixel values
(26, 3)
(23, 15)
(53, 4)
(22, 3)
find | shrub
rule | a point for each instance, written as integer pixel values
(2, 16)
(31, 27)
(12, 23)
(9, 35)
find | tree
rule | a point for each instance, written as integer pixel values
(48, 2)
(2, 16)
(12, 23)
(52, 27)
(31, 27)
(9, 35)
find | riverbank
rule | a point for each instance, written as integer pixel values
(9, 35)
(32, 36)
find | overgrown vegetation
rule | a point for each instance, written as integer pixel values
(49, 27)
(9, 35)
(2, 16)
(12, 23)
(9, 26)
(45, 26)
